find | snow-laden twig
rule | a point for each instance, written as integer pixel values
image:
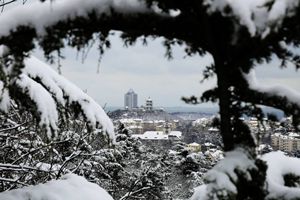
(8, 167)
(39, 148)
(130, 194)
(16, 181)
(12, 128)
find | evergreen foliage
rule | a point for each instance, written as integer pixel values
(234, 49)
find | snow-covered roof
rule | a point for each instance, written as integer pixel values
(253, 119)
(194, 144)
(127, 120)
(176, 133)
(135, 127)
(292, 134)
(208, 144)
(213, 129)
(157, 135)
(152, 135)
(201, 121)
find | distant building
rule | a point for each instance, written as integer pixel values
(130, 100)
(167, 128)
(149, 104)
(288, 143)
(195, 147)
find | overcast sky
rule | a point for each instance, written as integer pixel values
(149, 73)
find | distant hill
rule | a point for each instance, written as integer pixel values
(196, 109)
(185, 113)
(140, 114)
(156, 115)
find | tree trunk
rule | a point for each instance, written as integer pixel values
(224, 104)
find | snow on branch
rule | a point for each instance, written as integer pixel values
(69, 187)
(292, 95)
(259, 16)
(43, 100)
(280, 165)
(51, 12)
(49, 90)
(223, 176)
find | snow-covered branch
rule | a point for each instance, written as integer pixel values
(222, 180)
(279, 97)
(280, 165)
(49, 90)
(7, 167)
(278, 90)
(49, 13)
(132, 193)
(259, 16)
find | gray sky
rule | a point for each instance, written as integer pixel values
(149, 73)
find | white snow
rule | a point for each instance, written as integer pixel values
(194, 144)
(51, 12)
(157, 135)
(42, 99)
(253, 14)
(278, 166)
(292, 95)
(63, 91)
(200, 193)
(177, 134)
(250, 13)
(224, 170)
(4, 98)
(4, 94)
(69, 187)
(48, 90)
(151, 135)
(3, 50)
(222, 176)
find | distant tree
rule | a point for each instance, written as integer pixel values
(237, 40)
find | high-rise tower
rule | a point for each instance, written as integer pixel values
(130, 100)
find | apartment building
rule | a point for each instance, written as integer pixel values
(289, 142)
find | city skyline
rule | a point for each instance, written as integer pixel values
(150, 74)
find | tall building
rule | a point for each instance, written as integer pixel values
(130, 100)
